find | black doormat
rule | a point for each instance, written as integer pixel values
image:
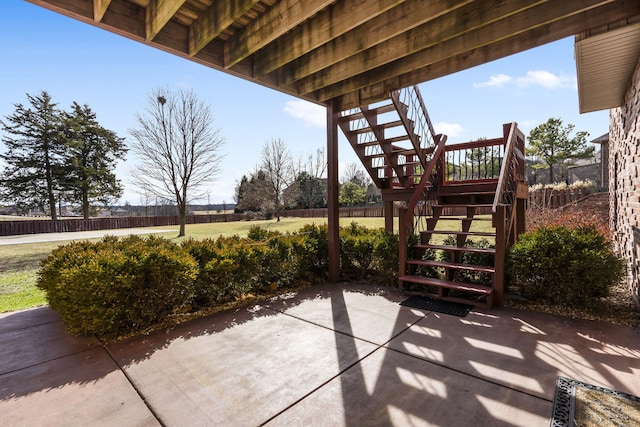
(581, 404)
(445, 307)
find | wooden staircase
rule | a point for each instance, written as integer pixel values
(394, 140)
(454, 258)
(462, 204)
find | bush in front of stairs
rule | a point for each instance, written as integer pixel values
(117, 286)
(562, 265)
(472, 258)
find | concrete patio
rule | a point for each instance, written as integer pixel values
(329, 355)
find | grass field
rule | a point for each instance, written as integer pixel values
(19, 263)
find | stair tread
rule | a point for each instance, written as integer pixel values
(462, 233)
(449, 284)
(461, 218)
(397, 139)
(454, 265)
(463, 205)
(468, 193)
(392, 124)
(386, 108)
(457, 248)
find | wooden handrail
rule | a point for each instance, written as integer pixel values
(424, 180)
(506, 165)
(475, 144)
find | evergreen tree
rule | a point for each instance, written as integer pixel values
(551, 143)
(35, 146)
(91, 157)
(254, 194)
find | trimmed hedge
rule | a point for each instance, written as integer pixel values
(116, 287)
(561, 265)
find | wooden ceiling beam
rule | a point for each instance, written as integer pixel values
(80, 9)
(99, 9)
(159, 12)
(491, 21)
(332, 22)
(214, 20)
(360, 87)
(275, 22)
(395, 22)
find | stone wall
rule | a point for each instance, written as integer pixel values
(624, 179)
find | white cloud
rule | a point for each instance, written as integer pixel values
(546, 79)
(313, 115)
(498, 80)
(450, 129)
(543, 78)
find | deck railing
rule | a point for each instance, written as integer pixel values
(477, 161)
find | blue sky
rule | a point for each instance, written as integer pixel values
(73, 61)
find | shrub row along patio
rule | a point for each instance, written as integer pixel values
(115, 287)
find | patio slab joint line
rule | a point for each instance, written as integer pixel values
(138, 392)
(471, 375)
(48, 360)
(378, 347)
(347, 334)
(273, 417)
(31, 326)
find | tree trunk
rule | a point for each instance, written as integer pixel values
(85, 205)
(551, 174)
(183, 214)
(52, 207)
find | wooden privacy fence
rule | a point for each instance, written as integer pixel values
(12, 228)
(548, 198)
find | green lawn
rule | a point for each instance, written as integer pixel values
(19, 263)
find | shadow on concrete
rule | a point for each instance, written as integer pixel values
(381, 364)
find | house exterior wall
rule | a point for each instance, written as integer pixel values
(624, 180)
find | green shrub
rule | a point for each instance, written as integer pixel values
(261, 234)
(233, 267)
(473, 258)
(311, 249)
(114, 287)
(561, 265)
(368, 253)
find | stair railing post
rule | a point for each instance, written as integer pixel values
(499, 221)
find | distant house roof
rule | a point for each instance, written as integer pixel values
(601, 139)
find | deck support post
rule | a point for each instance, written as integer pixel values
(332, 193)
(388, 217)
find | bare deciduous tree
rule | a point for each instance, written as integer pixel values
(354, 173)
(178, 148)
(277, 165)
(313, 165)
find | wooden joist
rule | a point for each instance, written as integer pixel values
(349, 52)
